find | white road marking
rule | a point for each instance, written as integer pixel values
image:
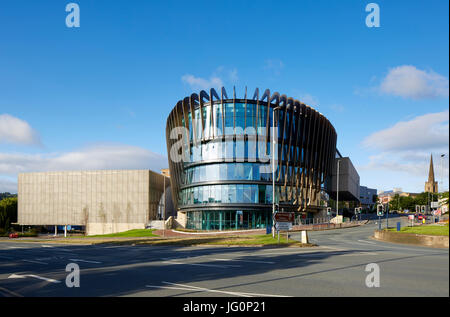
(34, 276)
(359, 253)
(4, 290)
(199, 264)
(87, 261)
(369, 242)
(201, 289)
(248, 261)
(36, 262)
(225, 292)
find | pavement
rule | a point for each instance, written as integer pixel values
(336, 267)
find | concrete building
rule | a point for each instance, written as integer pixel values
(102, 201)
(366, 196)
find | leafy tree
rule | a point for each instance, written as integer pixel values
(8, 212)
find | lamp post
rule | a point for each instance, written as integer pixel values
(337, 190)
(442, 172)
(164, 206)
(274, 141)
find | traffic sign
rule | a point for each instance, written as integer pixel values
(284, 217)
(283, 226)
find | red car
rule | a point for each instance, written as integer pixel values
(420, 217)
(14, 235)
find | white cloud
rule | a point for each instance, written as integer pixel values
(17, 131)
(199, 83)
(409, 82)
(309, 100)
(102, 156)
(219, 77)
(274, 66)
(7, 185)
(429, 131)
(404, 153)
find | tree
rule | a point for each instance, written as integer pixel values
(8, 212)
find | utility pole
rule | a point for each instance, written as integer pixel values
(274, 141)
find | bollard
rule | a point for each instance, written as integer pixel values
(398, 226)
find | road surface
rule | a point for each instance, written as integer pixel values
(335, 268)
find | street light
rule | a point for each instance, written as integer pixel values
(442, 172)
(337, 191)
(273, 168)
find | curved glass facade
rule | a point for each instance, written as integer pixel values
(225, 173)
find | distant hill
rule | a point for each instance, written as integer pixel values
(6, 195)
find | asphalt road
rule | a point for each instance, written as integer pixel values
(335, 268)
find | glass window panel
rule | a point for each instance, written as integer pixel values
(240, 149)
(262, 194)
(251, 151)
(239, 193)
(229, 149)
(205, 194)
(231, 193)
(223, 172)
(195, 195)
(218, 119)
(248, 172)
(269, 194)
(218, 190)
(240, 116)
(229, 113)
(224, 193)
(230, 171)
(238, 171)
(247, 194)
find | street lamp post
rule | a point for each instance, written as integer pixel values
(442, 172)
(337, 190)
(273, 169)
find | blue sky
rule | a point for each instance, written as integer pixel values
(98, 96)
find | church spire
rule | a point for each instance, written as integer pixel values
(431, 171)
(431, 186)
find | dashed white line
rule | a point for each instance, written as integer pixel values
(200, 264)
(248, 261)
(34, 276)
(36, 262)
(202, 289)
(87, 261)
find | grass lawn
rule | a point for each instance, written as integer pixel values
(263, 239)
(434, 230)
(238, 240)
(136, 233)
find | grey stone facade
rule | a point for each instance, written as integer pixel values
(104, 201)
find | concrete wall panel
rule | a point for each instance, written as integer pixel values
(105, 201)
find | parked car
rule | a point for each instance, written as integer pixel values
(13, 235)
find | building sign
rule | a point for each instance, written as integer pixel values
(284, 217)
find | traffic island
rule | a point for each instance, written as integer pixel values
(414, 238)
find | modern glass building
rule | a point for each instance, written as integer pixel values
(220, 154)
